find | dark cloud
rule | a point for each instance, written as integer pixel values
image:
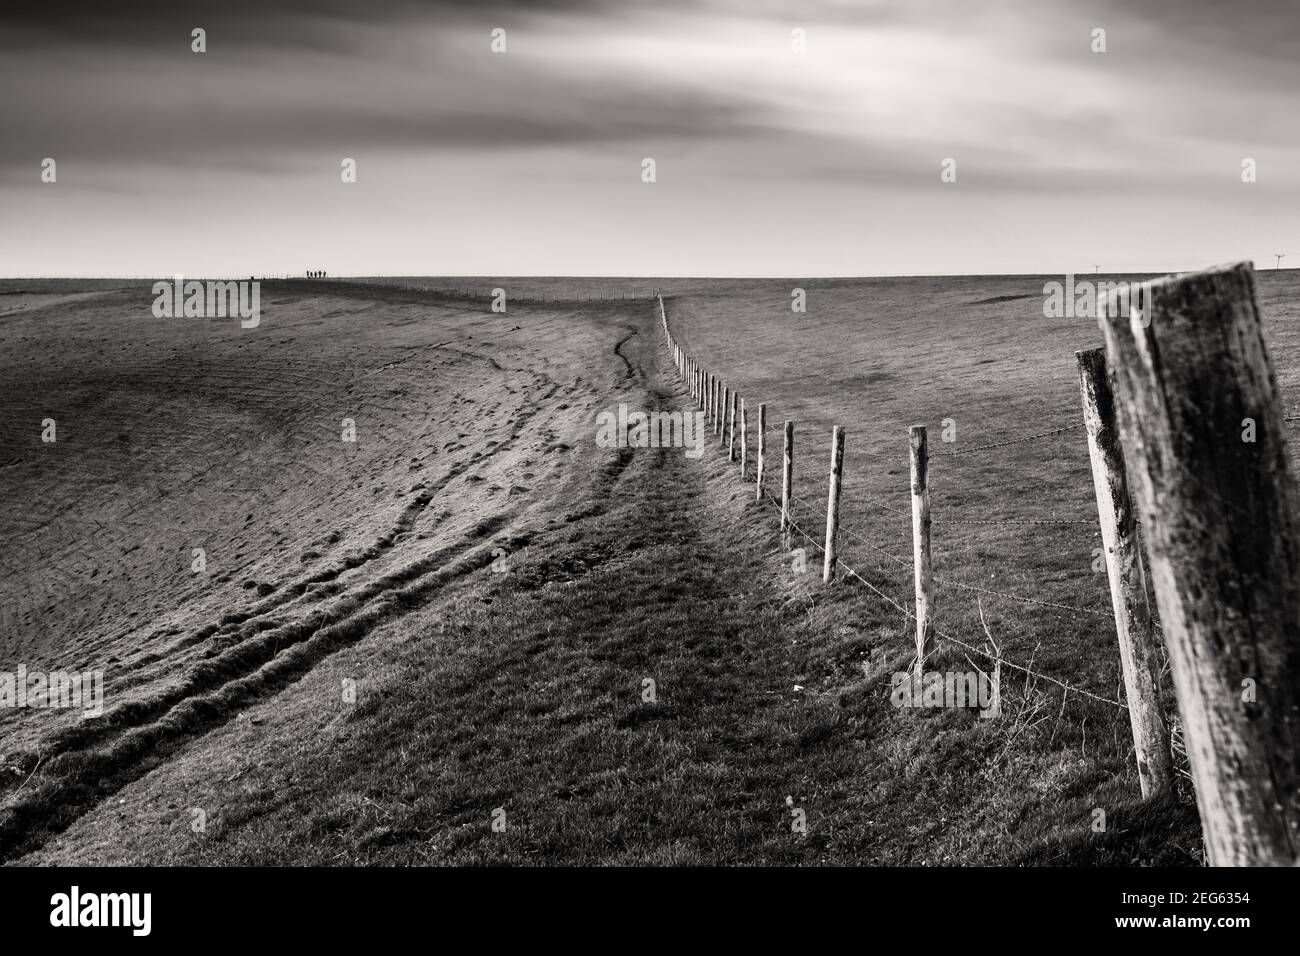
(335, 25)
(301, 116)
(307, 24)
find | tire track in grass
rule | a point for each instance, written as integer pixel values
(81, 767)
(536, 705)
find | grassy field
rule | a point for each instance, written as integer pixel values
(522, 691)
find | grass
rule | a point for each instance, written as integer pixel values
(524, 691)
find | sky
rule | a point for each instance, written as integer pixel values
(769, 160)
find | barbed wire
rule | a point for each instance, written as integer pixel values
(1017, 597)
(794, 526)
(906, 563)
(1014, 441)
(910, 615)
(1033, 673)
(1034, 522)
(875, 547)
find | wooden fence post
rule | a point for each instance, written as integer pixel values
(787, 478)
(744, 437)
(1127, 575)
(1202, 425)
(921, 569)
(833, 504)
(726, 404)
(731, 439)
(762, 451)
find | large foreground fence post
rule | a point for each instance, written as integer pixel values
(1127, 575)
(787, 478)
(833, 504)
(921, 570)
(1202, 425)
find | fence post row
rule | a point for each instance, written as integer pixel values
(833, 504)
(787, 478)
(921, 569)
(762, 451)
(1127, 576)
(1202, 425)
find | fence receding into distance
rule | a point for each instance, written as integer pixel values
(1166, 409)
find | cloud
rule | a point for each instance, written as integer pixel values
(713, 90)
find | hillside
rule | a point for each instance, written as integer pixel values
(372, 562)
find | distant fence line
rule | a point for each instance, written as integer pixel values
(1219, 512)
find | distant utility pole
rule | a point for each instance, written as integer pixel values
(1096, 269)
(1278, 264)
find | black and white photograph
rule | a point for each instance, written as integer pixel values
(791, 443)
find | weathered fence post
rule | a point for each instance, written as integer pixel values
(787, 478)
(833, 504)
(744, 437)
(921, 573)
(1203, 431)
(762, 451)
(726, 404)
(1127, 575)
(731, 430)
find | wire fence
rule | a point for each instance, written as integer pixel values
(800, 510)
